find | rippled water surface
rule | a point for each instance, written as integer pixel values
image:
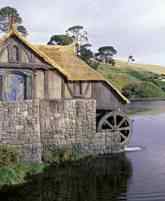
(134, 176)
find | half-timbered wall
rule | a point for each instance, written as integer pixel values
(39, 84)
(54, 85)
(78, 89)
(4, 56)
(105, 98)
(20, 76)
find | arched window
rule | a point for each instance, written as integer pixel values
(15, 54)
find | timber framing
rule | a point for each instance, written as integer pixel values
(30, 66)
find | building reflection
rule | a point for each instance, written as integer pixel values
(102, 178)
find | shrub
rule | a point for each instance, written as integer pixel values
(55, 154)
(8, 176)
(8, 155)
(17, 174)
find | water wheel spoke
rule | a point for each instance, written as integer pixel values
(117, 123)
(124, 129)
(123, 136)
(109, 124)
(121, 122)
(115, 119)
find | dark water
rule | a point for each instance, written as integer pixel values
(133, 176)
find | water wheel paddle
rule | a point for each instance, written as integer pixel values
(116, 122)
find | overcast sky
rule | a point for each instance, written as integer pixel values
(134, 27)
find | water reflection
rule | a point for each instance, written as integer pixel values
(146, 107)
(102, 178)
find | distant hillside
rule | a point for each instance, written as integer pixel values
(136, 80)
(145, 67)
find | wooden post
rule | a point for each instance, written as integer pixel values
(46, 89)
(34, 85)
(63, 89)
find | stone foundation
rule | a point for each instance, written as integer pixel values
(20, 127)
(36, 126)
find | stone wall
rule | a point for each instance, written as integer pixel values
(72, 123)
(20, 127)
(67, 123)
(36, 127)
(33, 125)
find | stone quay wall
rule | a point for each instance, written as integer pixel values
(38, 126)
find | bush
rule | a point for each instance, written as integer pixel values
(142, 90)
(11, 170)
(17, 174)
(8, 176)
(8, 155)
(54, 154)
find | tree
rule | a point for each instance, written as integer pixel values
(60, 40)
(22, 30)
(105, 54)
(8, 16)
(131, 59)
(85, 53)
(79, 36)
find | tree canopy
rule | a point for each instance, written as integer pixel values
(105, 54)
(22, 29)
(9, 15)
(79, 35)
(85, 53)
(10, 12)
(107, 50)
(60, 39)
(75, 31)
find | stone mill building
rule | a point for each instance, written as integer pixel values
(51, 98)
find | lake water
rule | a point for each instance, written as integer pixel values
(133, 176)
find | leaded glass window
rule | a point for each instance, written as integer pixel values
(14, 89)
(15, 86)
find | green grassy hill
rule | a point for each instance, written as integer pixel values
(135, 80)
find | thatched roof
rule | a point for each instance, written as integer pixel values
(75, 68)
(64, 60)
